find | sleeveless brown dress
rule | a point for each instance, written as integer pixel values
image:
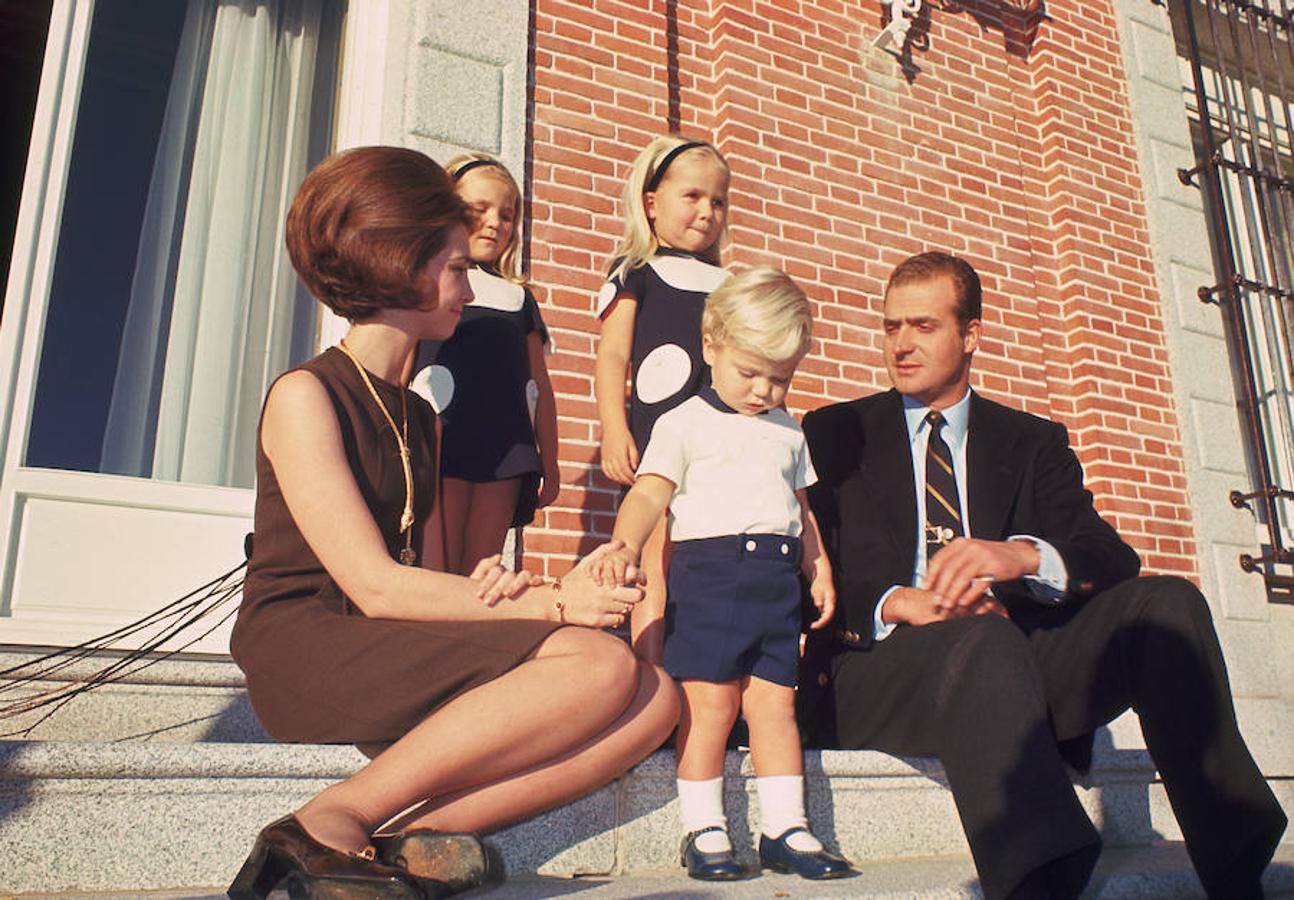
(317, 669)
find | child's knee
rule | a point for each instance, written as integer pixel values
(710, 703)
(764, 701)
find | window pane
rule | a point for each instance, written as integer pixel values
(172, 304)
(23, 29)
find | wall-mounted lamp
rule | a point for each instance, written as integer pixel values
(1018, 20)
(902, 14)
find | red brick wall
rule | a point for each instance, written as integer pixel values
(1010, 148)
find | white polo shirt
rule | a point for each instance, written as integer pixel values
(733, 474)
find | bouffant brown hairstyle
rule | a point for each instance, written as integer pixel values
(363, 224)
(937, 264)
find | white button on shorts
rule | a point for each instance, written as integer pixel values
(750, 545)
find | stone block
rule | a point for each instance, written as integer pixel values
(1217, 431)
(1185, 278)
(1152, 50)
(495, 29)
(147, 816)
(455, 99)
(1250, 655)
(1161, 174)
(1151, 16)
(1241, 595)
(465, 80)
(580, 839)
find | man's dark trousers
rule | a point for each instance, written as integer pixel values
(996, 699)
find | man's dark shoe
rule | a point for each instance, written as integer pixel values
(778, 855)
(718, 866)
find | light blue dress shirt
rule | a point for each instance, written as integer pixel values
(1048, 585)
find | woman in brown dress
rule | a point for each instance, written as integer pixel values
(481, 702)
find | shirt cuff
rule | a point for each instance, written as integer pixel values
(880, 628)
(1048, 585)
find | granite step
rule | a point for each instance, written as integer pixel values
(165, 780)
(169, 814)
(194, 698)
(1160, 871)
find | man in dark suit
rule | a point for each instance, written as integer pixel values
(990, 617)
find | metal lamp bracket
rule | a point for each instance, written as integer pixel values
(902, 14)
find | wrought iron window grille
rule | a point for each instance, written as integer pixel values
(1241, 59)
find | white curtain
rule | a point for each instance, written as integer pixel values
(215, 311)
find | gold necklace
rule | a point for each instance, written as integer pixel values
(407, 556)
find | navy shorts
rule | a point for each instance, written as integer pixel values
(734, 609)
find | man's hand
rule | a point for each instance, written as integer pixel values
(915, 606)
(962, 572)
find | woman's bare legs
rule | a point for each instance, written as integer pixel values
(586, 680)
(638, 731)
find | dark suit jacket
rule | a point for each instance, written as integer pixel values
(1022, 479)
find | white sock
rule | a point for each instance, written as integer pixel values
(700, 805)
(781, 808)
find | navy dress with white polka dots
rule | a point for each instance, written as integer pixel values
(478, 381)
(666, 366)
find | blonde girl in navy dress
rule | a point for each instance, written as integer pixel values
(731, 465)
(489, 381)
(676, 213)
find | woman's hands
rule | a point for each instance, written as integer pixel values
(494, 582)
(587, 602)
(580, 597)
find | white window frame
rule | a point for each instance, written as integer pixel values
(222, 514)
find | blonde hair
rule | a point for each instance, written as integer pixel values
(509, 261)
(760, 310)
(639, 243)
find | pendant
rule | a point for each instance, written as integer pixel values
(408, 557)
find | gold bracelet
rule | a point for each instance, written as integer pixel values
(557, 600)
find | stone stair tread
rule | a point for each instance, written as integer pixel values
(1160, 870)
(164, 759)
(202, 803)
(46, 758)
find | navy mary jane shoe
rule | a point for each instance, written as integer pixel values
(778, 855)
(719, 866)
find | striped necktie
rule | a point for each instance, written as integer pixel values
(943, 509)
